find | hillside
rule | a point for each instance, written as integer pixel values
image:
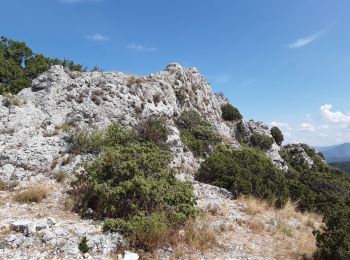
(344, 166)
(100, 155)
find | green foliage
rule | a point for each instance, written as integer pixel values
(325, 190)
(333, 241)
(344, 166)
(19, 65)
(180, 96)
(244, 171)
(84, 141)
(264, 142)
(11, 100)
(131, 183)
(153, 130)
(197, 133)
(230, 113)
(277, 135)
(83, 246)
(142, 230)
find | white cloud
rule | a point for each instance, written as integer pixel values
(97, 37)
(138, 47)
(78, 1)
(306, 127)
(281, 125)
(334, 117)
(307, 40)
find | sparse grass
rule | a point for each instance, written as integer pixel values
(54, 164)
(253, 206)
(196, 236)
(3, 185)
(213, 209)
(133, 80)
(254, 226)
(11, 100)
(67, 160)
(33, 194)
(60, 176)
(284, 229)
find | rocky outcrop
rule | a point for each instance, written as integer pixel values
(247, 129)
(33, 128)
(299, 155)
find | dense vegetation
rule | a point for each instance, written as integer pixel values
(277, 135)
(197, 133)
(19, 65)
(263, 142)
(230, 113)
(130, 183)
(325, 190)
(344, 166)
(320, 189)
(244, 171)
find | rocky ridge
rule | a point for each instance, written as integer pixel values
(33, 145)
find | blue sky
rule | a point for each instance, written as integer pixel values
(286, 63)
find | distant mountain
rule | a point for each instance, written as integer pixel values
(336, 153)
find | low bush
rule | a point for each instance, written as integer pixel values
(153, 130)
(333, 240)
(264, 142)
(230, 113)
(130, 184)
(197, 133)
(243, 172)
(33, 194)
(83, 246)
(277, 135)
(180, 96)
(83, 141)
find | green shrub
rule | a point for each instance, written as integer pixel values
(333, 241)
(180, 96)
(148, 231)
(83, 141)
(264, 142)
(230, 113)
(130, 182)
(277, 135)
(83, 246)
(153, 130)
(197, 133)
(325, 190)
(243, 172)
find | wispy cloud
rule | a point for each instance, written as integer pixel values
(282, 125)
(97, 37)
(78, 1)
(301, 42)
(138, 47)
(334, 117)
(306, 127)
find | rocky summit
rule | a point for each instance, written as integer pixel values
(34, 129)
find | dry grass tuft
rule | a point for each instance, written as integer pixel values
(33, 194)
(133, 80)
(253, 206)
(60, 176)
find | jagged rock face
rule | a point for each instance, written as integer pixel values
(299, 155)
(30, 136)
(247, 129)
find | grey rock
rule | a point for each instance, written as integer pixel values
(24, 226)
